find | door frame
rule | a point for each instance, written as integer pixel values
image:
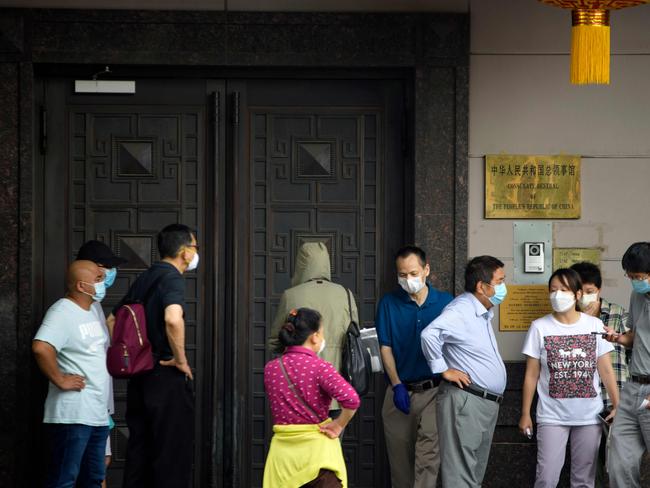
(224, 150)
(432, 46)
(241, 255)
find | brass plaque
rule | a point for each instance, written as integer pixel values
(523, 304)
(532, 187)
(565, 257)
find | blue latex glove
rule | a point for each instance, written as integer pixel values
(401, 398)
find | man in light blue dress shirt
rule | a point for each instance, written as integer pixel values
(461, 345)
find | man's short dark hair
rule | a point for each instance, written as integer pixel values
(172, 238)
(480, 268)
(406, 251)
(589, 273)
(637, 258)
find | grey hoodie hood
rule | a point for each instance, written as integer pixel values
(312, 263)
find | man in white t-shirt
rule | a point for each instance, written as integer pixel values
(100, 254)
(70, 349)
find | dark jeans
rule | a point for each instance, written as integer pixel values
(77, 455)
(160, 417)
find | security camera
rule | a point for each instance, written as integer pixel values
(534, 257)
(534, 249)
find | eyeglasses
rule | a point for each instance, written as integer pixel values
(195, 246)
(635, 276)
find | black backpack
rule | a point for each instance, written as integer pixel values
(356, 367)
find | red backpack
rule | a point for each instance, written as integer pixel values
(130, 351)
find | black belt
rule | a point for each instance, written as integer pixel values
(641, 379)
(422, 385)
(480, 392)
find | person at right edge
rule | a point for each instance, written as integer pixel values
(462, 346)
(409, 409)
(160, 402)
(630, 432)
(614, 316)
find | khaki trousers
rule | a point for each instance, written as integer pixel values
(412, 440)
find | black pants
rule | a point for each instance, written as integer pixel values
(160, 417)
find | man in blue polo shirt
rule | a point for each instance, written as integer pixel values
(409, 410)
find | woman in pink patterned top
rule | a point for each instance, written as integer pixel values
(300, 386)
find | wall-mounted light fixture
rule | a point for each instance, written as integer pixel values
(120, 87)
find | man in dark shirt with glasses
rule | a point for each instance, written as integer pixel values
(160, 402)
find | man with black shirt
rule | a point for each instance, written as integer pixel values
(160, 403)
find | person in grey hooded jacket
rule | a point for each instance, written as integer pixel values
(312, 287)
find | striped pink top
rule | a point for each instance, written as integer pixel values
(316, 380)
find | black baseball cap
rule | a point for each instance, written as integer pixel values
(100, 253)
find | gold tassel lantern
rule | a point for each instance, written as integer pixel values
(590, 37)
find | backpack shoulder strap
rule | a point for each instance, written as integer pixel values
(347, 292)
(354, 326)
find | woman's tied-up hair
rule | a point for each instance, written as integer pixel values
(299, 325)
(289, 324)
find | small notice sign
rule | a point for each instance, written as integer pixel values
(565, 257)
(523, 304)
(519, 186)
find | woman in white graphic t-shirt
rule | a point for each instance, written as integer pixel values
(565, 359)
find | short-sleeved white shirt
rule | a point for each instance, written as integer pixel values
(80, 339)
(568, 386)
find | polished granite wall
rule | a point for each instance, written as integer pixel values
(9, 197)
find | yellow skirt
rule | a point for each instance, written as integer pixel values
(298, 453)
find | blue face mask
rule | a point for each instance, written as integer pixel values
(641, 286)
(109, 276)
(100, 291)
(500, 292)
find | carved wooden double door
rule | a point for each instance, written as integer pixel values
(257, 167)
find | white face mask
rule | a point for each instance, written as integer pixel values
(411, 285)
(586, 299)
(562, 301)
(194, 262)
(322, 347)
